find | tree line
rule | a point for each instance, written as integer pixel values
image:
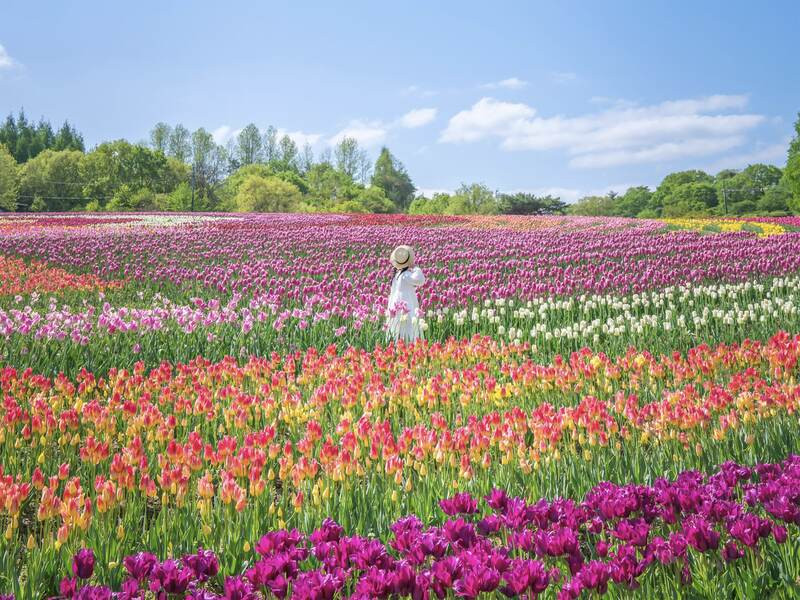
(42, 169)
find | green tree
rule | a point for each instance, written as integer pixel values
(180, 144)
(270, 144)
(594, 206)
(633, 201)
(9, 180)
(523, 203)
(374, 200)
(306, 159)
(475, 198)
(671, 182)
(26, 140)
(350, 159)
(248, 146)
(287, 153)
(160, 137)
(391, 176)
(56, 178)
(791, 174)
(114, 164)
(267, 194)
(690, 199)
(209, 161)
(776, 200)
(436, 205)
(327, 185)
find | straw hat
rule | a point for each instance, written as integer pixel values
(402, 257)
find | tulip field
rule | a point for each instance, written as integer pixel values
(198, 406)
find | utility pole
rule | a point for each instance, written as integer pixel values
(192, 187)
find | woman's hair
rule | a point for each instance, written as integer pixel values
(398, 272)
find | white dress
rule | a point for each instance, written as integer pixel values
(403, 307)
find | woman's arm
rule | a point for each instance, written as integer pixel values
(416, 277)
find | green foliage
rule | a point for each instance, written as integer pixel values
(9, 180)
(114, 164)
(374, 200)
(326, 184)
(437, 205)
(390, 175)
(690, 199)
(530, 204)
(634, 201)
(664, 194)
(267, 194)
(25, 140)
(160, 136)
(56, 178)
(475, 198)
(352, 160)
(791, 174)
(248, 145)
(775, 199)
(594, 206)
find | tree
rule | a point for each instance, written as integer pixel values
(25, 140)
(690, 199)
(306, 159)
(248, 146)
(594, 206)
(776, 199)
(350, 159)
(633, 201)
(270, 144)
(267, 194)
(791, 174)
(160, 137)
(56, 178)
(180, 145)
(287, 153)
(749, 184)
(328, 185)
(671, 182)
(390, 175)
(9, 180)
(529, 204)
(114, 164)
(761, 176)
(209, 161)
(374, 200)
(475, 198)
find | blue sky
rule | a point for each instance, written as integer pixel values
(563, 97)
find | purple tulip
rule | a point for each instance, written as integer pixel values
(83, 563)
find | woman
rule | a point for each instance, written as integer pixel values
(403, 307)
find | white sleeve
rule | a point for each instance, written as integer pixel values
(416, 277)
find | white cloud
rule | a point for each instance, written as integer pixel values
(564, 77)
(512, 83)
(621, 134)
(366, 133)
(415, 90)
(417, 117)
(659, 153)
(301, 138)
(6, 62)
(771, 154)
(487, 117)
(224, 133)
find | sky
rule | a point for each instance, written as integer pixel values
(568, 98)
